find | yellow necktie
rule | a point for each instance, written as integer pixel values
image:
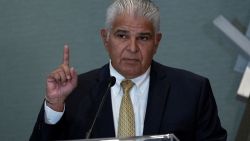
(126, 124)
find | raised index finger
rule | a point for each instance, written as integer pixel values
(66, 54)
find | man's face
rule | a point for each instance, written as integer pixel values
(131, 44)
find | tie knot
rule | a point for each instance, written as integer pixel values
(127, 85)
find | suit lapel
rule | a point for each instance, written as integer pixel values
(104, 126)
(157, 97)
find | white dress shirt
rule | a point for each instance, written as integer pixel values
(138, 94)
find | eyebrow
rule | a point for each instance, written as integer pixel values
(145, 34)
(121, 31)
(126, 32)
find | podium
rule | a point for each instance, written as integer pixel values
(164, 137)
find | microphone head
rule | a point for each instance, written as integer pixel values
(112, 81)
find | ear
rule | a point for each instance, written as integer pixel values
(104, 36)
(158, 39)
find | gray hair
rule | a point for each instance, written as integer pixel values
(145, 8)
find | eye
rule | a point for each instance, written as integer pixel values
(121, 35)
(144, 38)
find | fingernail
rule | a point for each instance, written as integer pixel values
(68, 77)
(72, 69)
(66, 45)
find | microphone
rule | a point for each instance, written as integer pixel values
(111, 83)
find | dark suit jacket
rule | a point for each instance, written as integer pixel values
(179, 102)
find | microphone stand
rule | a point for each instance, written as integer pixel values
(111, 83)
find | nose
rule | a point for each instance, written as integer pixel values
(133, 46)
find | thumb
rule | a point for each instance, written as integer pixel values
(74, 76)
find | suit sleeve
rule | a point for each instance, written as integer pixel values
(208, 123)
(45, 132)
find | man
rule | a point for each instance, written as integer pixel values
(160, 99)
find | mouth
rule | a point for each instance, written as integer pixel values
(131, 60)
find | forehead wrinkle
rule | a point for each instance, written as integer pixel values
(134, 29)
(133, 23)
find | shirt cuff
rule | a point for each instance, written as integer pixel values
(51, 116)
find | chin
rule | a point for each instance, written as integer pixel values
(131, 73)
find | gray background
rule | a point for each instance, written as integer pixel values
(32, 34)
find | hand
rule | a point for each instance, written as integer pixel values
(60, 83)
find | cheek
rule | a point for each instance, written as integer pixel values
(115, 51)
(148, 54)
